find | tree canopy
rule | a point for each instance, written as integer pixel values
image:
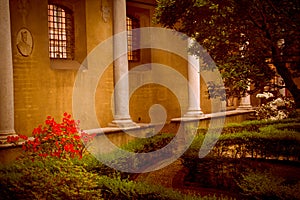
(243, 37)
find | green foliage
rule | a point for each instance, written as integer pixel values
(216, 172)
(247, 178)
(253, 125)
(240, 35)
(115, 188)
(92, 165)
(121, 160)
(50, 179)
(47, 169)
(255, 139)
(145, 145)
(221, 169)
(249, 146)
(77, 179)
(264, 185)
(85, 178)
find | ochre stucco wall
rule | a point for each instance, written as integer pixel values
(40, 90)
(99, 31)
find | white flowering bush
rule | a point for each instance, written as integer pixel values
(276, 108)
(265, 95)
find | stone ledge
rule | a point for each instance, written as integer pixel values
(213, 115)
(110, 130)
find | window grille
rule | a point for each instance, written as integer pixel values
(133, 39)
(61, 32)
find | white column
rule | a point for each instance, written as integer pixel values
(194, 109)
(245, 103)
(121, 91)
(6, 74)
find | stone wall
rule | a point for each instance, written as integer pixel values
(43, 86)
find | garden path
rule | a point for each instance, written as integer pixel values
(162, 176)
(172, 176)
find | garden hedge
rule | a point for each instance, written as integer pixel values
(77, 179)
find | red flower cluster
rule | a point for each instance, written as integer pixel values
(62, 140)
(12, 139)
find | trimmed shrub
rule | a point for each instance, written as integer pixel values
(115, 188)
(264, 185)
(121, 160)
(63, 179)
(254, 125)
(49, 179)
(275, 139)
(235, 154)
(145, 145)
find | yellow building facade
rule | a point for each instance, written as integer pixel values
(38, 79)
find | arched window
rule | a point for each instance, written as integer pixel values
(133, 39)
(61, 32)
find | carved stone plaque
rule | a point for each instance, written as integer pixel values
(24, 42)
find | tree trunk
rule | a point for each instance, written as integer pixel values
(286, 75)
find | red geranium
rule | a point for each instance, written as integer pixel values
(62, 140)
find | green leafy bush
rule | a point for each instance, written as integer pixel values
(69, 179)
(268, 139)
(253, 125)
(82, 178)
(145, 145)
(214, 172)
(264, 185)
(115, 188)
(47, 169)
(142, 145)
(237, 152)
(49, 179)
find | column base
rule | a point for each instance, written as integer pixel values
(3, 138)
(193, 113)
(245, 107)
(123, 123)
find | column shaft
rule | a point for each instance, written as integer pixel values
(6, 73)
(121, 91)
(194, 109)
